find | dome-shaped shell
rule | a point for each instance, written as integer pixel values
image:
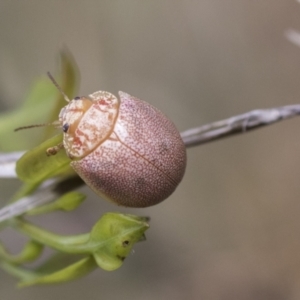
(143, 160)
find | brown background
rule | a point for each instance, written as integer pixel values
(232, 228)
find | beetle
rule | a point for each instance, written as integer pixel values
(125, 149)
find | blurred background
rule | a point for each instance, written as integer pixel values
(232, 228)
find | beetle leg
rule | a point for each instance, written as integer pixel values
(55, 149)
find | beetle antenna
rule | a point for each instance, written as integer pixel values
(55, 123)
(58, 87)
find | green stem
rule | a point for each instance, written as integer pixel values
(70, 244)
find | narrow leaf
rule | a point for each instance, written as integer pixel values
(35, 166)
(30, 252)
(74, 271)
(67, 202)
(68, 81)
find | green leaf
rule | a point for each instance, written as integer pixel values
(35, 166)
(42, 91)
(68, 244)
(71, 272)
(74, 271)
(110, 240)
(30, 252)
(114, 235)
(69, 82)
(17, 271)
(67, 202)
(35, 110)
(42, 105)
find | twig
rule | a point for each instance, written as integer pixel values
(49, 191)
(8, 164)
(238, 124)
(43, 195)
(293, 36)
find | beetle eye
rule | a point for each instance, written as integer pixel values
(77, 98)
(65, 127)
